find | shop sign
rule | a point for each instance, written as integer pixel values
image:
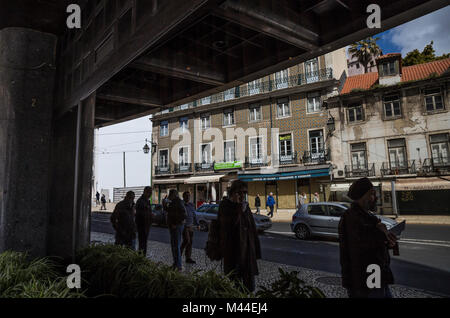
(227, 165)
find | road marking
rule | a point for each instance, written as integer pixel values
(282, 233)
(423, 243)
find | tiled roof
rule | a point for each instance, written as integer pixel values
(389, 55)
(410, 73)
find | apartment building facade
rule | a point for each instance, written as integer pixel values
(393, 126)
(271, 132)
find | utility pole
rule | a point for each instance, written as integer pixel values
(124, 174)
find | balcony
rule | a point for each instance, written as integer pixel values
(288, 159)
(256, 162)
(319, 157)
(397, 168)
(204, 167)
(360, 171)
(436, 165)
(182, 168)
(160, 170)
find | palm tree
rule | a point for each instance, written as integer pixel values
(365, 50)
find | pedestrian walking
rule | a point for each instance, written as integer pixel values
(239, 240)
(190, 224)
(122, 220)
(257, 204)
(302, 199)
(176, 216)
(97, 199)
(364, 241)
(316, 198)
(103, 207)
(144, 219)
(270, 203)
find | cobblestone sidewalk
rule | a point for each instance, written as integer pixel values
(329, 283)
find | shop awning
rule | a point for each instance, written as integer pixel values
(346, 186)
(168, 181)
(313, 173)
(417, 184)
(204, 179)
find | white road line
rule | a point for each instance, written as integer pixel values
(424, 241)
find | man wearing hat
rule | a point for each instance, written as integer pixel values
(364, 240)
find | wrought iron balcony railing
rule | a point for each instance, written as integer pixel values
(288, 159)
(182, 168)
(360, 171)
(436, 165)
(256, 162)
(398, 168)
(159, 170)
(320, 157)
(205, 166)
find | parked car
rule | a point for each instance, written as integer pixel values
(159, 216)
(322, 219)
(208, 212)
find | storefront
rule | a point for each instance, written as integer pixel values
(286, 186)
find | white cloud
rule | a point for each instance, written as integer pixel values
(418, 33)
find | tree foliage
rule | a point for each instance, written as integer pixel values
(427, 55)
(365, 50)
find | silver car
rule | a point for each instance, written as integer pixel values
(208, 212)
(322, 219)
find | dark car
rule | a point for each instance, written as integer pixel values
(159, 215)
(208, 212)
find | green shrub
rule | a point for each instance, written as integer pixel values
(38, 278)
(289, 286)
(112, 270)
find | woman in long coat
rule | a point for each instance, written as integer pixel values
(238, 236)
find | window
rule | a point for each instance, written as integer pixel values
(255, 145)
(440, 149)
(355, 113)
(205, 121)
(205, 153)
(397, 153)
(229, 151)
(314, 102)
(335, 211)
(183, 156)
(316, 143)
(253, 87)
(255, 113)
(184, 124)
(388, 68)
(392, 106)
(433, 99)
(228, 117)
(359, 156)
(164, 159)
(184, 106)
(285, 142)
(317, 210)
(281, 79)
(164, 129)
(312, 71)
(229, 93)
(283, 109)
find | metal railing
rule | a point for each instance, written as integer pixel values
(398, 168)
(288, 159)
(256, 162)
(205, 166)
(319, 157)
(182, 168)
(260, 87)
(359, 171)
(159, 170)
(436, 165)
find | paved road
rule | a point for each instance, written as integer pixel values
(424, 260)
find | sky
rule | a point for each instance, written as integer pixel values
(113, 140)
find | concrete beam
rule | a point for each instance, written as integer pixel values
(117, 92)
(174, 68)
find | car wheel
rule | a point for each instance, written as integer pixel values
(203, 226)
(302, 232)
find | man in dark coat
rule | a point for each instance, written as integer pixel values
(144, 218)
(122, 220)
(364, 240)
(176, 216)
(238, 236)
(258, 204)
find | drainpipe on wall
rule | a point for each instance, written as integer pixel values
(394, 199)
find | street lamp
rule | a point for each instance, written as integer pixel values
(146, 150)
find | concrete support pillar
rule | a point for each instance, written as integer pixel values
(27, 75)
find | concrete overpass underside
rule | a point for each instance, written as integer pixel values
(132, 58)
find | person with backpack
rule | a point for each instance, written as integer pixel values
(239, 243)
(176, 216)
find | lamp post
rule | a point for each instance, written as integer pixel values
(146, 150)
